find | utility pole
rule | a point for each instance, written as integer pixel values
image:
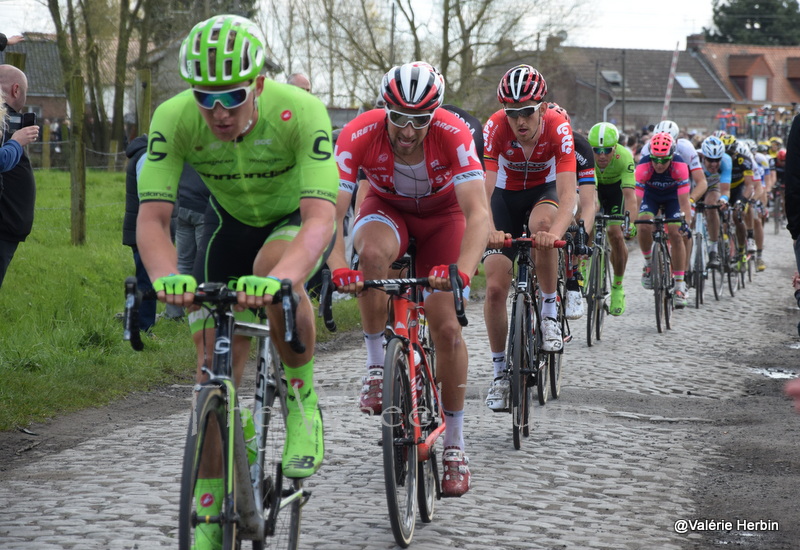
(624, 85)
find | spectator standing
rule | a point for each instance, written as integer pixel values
(189, 222)
(18, 185)
(300, 80)
(11, 150)
(9, 40)
(135, 153)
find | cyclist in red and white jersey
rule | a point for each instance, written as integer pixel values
(426, 182)
(531, 181)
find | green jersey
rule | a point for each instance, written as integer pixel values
(620, 170)
(257, 179)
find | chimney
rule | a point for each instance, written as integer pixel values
(695, 41)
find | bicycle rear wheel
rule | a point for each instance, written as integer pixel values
(519, 367)
(399, 448)
(207, 438)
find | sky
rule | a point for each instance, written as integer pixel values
(615, 23)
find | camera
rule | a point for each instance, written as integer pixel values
(20, 120)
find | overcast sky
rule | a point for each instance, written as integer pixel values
(615, 23)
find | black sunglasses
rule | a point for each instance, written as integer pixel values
(523, 112)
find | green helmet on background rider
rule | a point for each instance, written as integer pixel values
(603, 134)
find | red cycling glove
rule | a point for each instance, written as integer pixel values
(443, 271)
(345, 276)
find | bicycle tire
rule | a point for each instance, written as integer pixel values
(285, 533)
(698, 267)
(399, 449)
(777, 212)
(605, 294)
(750, 268)
(538, 362)
(729, 267)
(668, 285)
(592, 300)
(519, 368)
(658, 288)
(211, 403)
(427, 472)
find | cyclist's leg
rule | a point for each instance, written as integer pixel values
(614, 202)
(712, 223)
(439, 242)
(644, 233)
(542, 217)
(380, 237)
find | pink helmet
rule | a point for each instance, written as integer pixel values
(662, 145)
(521, 83)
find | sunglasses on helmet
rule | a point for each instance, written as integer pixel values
(229, 99)
(401, 120)
(661, 160)
(523, 112)
(602, 150)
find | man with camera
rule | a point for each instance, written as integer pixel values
(17, 186)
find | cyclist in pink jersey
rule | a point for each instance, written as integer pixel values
(662, 184)
(531, 181)
(424, 181)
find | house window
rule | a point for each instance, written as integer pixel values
(686, 81)
(759, 88)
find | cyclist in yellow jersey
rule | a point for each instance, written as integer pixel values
(264, 151)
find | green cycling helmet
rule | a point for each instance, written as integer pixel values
(603, 134)
(225, 49)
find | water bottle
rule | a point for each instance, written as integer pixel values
(249, 430)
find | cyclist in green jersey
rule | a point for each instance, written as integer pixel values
(264, 150)
(616, 191)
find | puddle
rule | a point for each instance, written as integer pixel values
(778, 374)
(796, 345)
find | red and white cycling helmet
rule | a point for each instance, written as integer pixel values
(415, 85)
(662, 145)
(521, 83)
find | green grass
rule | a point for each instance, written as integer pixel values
(61, 348)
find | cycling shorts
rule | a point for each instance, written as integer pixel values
(511, 210)
(438, 235)
(228, 249)
(665, 200)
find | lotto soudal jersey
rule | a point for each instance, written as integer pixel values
(258, 178)
(553, 154)
(449, 160)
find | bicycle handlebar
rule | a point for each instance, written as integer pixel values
(391, 286)
(529, 241)
(216, 295)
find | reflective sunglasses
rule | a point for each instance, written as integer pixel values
(661, 160)
(602, 150)
(401, 120)
(229, 99)
(523, 112)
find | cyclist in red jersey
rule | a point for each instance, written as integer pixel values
(531, 180)
(424, 181)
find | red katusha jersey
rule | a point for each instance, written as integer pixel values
(554, 152)
(450, 159)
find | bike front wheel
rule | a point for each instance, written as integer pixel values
(283, 524)
(213, 523)
(519, 367)
(399, 448)
(658, 285)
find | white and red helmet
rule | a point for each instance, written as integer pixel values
(416, 85)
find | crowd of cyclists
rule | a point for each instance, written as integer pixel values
(280, 191)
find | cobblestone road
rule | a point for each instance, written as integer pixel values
(612, 464)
